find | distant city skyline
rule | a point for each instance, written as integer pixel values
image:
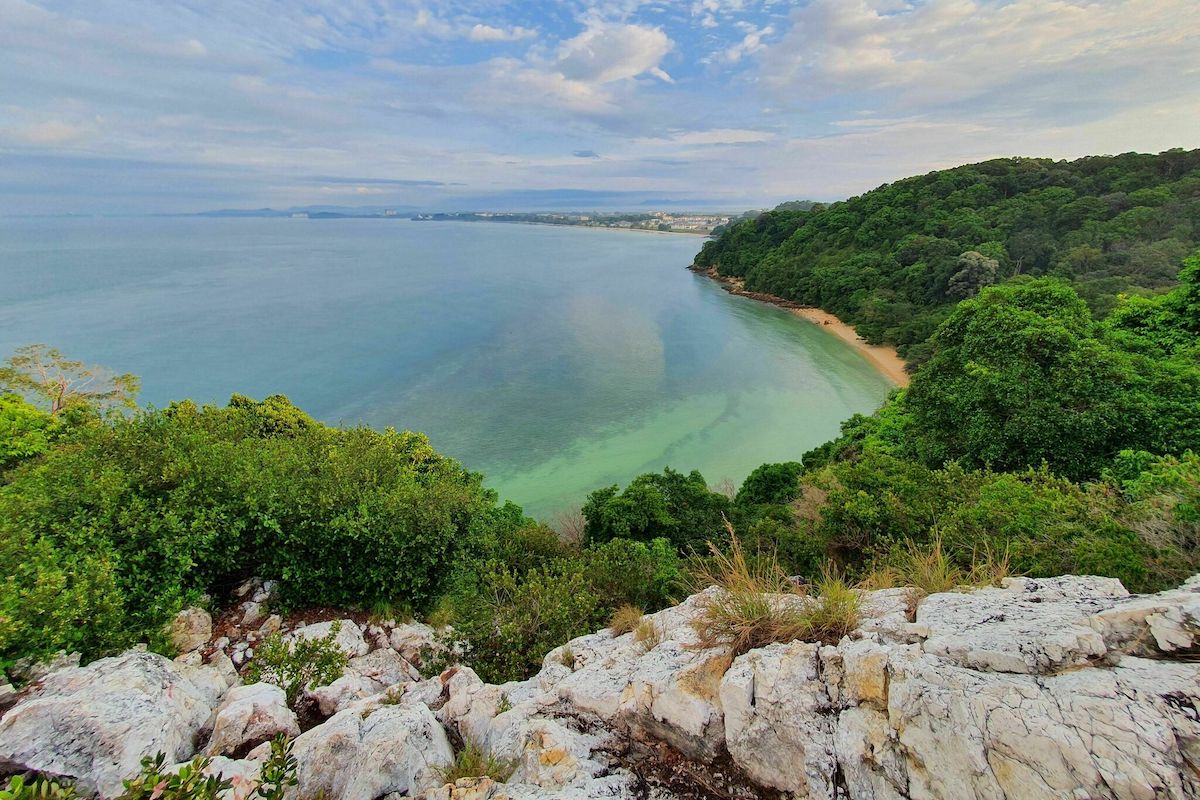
(176, 106)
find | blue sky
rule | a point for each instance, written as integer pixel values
(183, 105)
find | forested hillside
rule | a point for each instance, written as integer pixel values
(894, 261)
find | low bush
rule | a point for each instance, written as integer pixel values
(21, 787)
(192, 781)
(299, 664)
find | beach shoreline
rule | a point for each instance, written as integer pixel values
(884, 358)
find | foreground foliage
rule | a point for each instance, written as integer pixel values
(108, 533)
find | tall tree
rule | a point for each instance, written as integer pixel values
(40, 372)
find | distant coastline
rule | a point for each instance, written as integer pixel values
(884, 358)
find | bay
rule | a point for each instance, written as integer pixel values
(554, 360)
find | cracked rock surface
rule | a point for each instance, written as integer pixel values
(1050, 688)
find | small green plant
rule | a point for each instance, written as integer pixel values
(40, 788)
(472, 762)
(625, 620)
(276, 775)
(299, 665)
(567, 657)
(278, 771)
(190, 783)
(504, 705)
(392, 697)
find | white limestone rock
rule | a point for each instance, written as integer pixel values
(384, 666)
(190, 629)
(409, 639)
(248, 716)
(349, 637)
(366, 754)
(1151, 625)
(344, 691)
(778, 726)
(95, 723)
(1030, 627)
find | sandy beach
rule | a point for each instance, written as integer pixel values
(883, 357)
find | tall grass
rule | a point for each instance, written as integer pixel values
(625, 620)
(931, 569)
(759, 604)
(472, 762)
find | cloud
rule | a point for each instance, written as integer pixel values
(49, 133)
(605, 52)
(486, 33)
(943, 51)
(750, 44)
(716, 136)
(585, 154)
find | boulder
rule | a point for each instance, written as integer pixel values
(778, 725)
(349, 637)
(385, 667)
(1031, 627)
(247, 717)
(1156, 624)
(409, 639)
(347, 689)
(94, 724)
(252, 613)
(190, 629)
(364, 754)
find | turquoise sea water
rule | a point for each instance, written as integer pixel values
(555, 360)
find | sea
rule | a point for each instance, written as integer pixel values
(555, 360)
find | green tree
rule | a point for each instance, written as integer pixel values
(38, 371)
(670, 505)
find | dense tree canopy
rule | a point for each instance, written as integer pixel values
(893, 261)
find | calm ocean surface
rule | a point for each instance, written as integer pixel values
(554, 360)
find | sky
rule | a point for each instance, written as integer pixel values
(187, 105)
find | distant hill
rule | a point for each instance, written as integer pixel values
(893, 261)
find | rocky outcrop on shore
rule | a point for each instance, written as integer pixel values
(1057, 688)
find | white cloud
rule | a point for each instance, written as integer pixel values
(51, 132)
(750, 44)
(952, 50)
(607, 52)
(487, 33)
(716, 136)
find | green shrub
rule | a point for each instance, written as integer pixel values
(773, 484)
(133, 518)
(39, 788)
(298, 665)
(669, 505)
(276, 775)
(516, 619)
(157, 783)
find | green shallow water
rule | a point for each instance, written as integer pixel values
(554, 360)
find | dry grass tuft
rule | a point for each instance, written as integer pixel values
(758, 604)
(648, 635)
(931, 570)
(625, 620)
